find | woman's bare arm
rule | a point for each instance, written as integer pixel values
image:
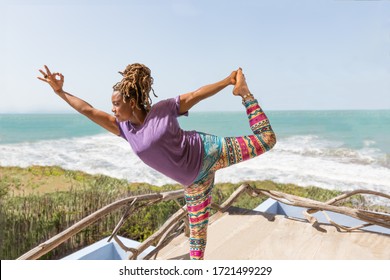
(188, 100)
(101, 118)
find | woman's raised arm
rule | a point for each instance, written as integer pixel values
(188, 100)
(105, 120)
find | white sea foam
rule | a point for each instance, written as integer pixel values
(302, 160)
(100, 154)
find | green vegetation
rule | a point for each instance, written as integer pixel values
(37, 203)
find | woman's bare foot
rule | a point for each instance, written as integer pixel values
(241, 87)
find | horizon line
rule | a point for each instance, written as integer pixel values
(197, 111)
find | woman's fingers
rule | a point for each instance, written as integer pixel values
(44, 76)
(58, 75)
(48, 73)
(55, 80)
(47, 70)
(43, 73)
(42, 79)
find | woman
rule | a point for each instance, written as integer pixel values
(189, 157)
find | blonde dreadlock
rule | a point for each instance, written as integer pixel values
(137, 83)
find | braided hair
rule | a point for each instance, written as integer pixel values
(136, 83)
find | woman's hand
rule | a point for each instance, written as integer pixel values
(232, 77)
(55, 80)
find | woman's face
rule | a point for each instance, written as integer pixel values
(122, 111)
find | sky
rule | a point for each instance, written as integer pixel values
(296, 55)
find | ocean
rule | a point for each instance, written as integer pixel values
(341, 150)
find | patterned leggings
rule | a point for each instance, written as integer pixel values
(221, 152)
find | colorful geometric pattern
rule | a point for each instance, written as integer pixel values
(238, 149)
(198, 199)
(219, 153)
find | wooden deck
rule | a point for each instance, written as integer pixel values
(240, 234)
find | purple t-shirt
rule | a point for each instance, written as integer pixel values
(163, 145)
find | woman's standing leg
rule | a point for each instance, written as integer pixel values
(198, 199)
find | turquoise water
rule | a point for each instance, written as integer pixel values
(354, 129)
(36, 127)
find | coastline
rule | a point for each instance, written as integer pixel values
(319, 148)
(40, 180)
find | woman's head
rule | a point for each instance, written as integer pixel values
(136, 84)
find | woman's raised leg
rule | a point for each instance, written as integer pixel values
(238, 149)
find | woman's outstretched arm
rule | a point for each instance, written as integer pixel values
(101, 118)
(188, 100)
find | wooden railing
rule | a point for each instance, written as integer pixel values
(178, 222)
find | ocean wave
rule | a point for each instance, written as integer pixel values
(314, 146)
(100, 154)
(301, 160)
